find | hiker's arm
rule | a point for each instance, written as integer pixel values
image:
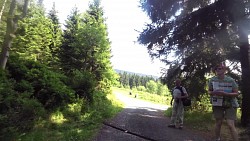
(185, 96)
(181, 97)
(234, 93)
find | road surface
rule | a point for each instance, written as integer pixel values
(143, 121)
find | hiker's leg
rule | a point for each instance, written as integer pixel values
(174, 114)
(218, 113)
(218, 123)
(177, 114)
(232, 129)
(181, 113)
(230, 115)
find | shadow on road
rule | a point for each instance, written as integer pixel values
(143, 124)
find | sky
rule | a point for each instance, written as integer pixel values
(124, 19)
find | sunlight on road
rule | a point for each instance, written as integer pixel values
(137, 103)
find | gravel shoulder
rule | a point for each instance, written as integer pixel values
(144, 121)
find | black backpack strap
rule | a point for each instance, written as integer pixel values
(180, 88)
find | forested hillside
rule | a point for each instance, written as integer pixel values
(49, 74)
(143, 83)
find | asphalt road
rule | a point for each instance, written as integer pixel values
(143, 121)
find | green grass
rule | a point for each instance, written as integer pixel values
(196, 120)
(204, 122)
(165, 100)
(77, 122)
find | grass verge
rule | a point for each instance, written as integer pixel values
(77, 122)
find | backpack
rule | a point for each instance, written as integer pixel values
(185, 101)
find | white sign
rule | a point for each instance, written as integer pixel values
(217, 100)
(220, 86)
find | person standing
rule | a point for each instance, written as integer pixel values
(223, 91)
(178, 109)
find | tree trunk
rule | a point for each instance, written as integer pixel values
(237, 9)
(10, 31)
(243, 25)
(245, 66)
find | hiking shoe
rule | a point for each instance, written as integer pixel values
(181, 126)
(171, 126)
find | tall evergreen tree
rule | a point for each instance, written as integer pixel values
(125, 79)
(94, 46)
(56, 34)
(67, 58)
(34, 36)
(86, 46)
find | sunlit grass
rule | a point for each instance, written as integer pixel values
(165, 100)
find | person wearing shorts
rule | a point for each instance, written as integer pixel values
(223, 91)
(227, 113)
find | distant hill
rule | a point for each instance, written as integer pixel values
(140, 74)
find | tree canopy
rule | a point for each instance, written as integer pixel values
(191, 36)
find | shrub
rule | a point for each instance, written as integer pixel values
(141, 88)
(43, 84)
(26, 89)
(49, 89)
(17, 110)
(83, 83)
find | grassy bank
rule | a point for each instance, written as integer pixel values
(76, 122)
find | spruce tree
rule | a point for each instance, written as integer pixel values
(94, 51)
(34, 36)
(56, 41)
(68, 61)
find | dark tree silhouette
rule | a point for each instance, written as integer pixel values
(199, 34)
